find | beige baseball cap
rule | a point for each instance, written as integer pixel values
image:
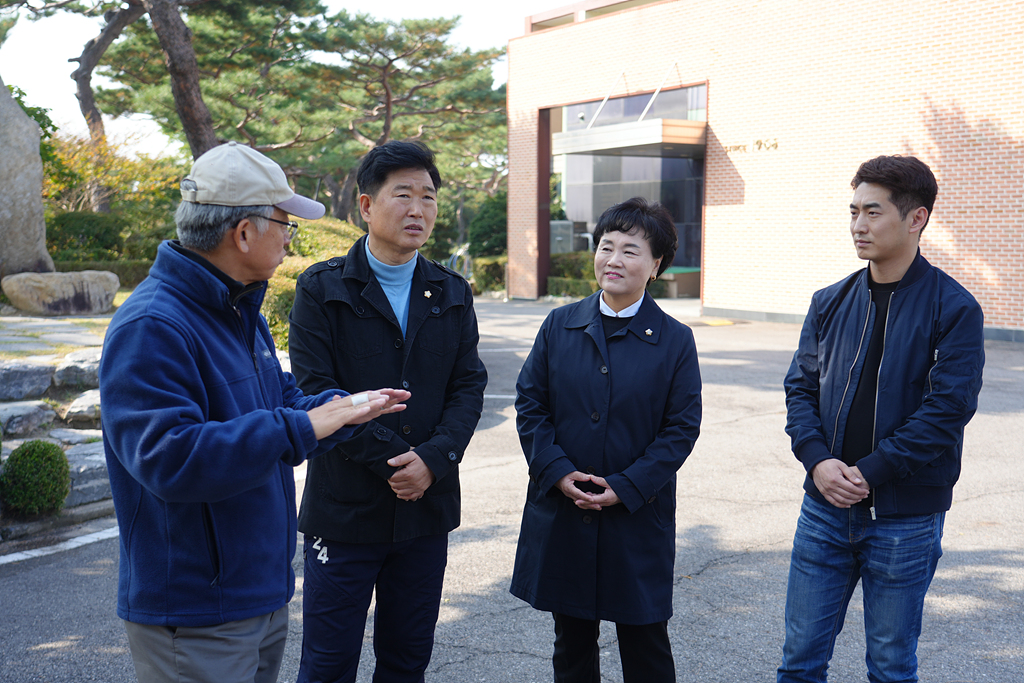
(236, 175)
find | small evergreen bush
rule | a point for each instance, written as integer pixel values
(489, 273)
(85, 236)
(36, 479)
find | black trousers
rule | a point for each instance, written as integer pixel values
(645, 652)
(340, 579)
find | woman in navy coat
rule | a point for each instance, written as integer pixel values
(608, 409)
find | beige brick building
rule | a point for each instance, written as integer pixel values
(795, 95)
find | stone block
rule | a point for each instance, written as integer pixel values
(21, 417)
(21, 379)
(79, 368)
(85, 407)
(89, 481)
(77, 436)
(86, 292)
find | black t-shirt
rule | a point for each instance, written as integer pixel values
(859, 438)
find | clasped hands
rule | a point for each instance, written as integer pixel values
(583, 499)
(355, 409)
(841, 485)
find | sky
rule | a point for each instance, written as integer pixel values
(35, 55)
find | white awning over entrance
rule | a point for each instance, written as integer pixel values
(650, 138)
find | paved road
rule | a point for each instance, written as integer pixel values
(738, 499)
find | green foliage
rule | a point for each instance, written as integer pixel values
(141, 190)
(85, 236)
(5, 27)
(129, 272)
(316, 241)
(556, 212)
(576, 265)
(488, 231)
(316, 92)
(489, 273)
(563, 286)
(36, 479)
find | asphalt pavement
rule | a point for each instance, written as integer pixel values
(738, 499)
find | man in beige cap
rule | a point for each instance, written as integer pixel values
(202, 428)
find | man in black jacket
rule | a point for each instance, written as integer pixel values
(885, 379)
(377, 510)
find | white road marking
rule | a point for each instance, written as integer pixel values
(112, 532)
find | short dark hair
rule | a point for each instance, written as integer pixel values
(394, 155)
(910, 182)
(650, 218)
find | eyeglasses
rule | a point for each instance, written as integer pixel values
(292, 226)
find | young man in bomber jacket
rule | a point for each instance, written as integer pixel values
(886, 376)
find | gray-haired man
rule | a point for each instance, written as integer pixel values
(202, 428)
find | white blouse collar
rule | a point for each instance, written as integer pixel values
(627, 312)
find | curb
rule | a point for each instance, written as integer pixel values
(68, 517)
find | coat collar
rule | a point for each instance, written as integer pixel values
(358, 267)
(645, 325)
(201, 281)
(918, 267)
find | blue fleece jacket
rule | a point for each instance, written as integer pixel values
(201, 429)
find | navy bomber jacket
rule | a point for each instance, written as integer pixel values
(929, 378)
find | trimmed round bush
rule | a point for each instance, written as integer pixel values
(36, 479)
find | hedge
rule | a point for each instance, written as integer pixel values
(489, 273)
(130, 273)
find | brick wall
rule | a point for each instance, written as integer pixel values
(823, 87)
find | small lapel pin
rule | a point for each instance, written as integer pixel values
(648, 332)
(427, 294)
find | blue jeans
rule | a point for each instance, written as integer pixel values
(834, 548)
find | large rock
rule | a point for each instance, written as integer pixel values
(85, 407)
(88, 468)
(21, 379)
(86, 292)
(22, 417)
(79, 368)
(22, 228)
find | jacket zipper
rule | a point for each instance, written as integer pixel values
(874, 415)
(849, 378)
(935, 359)
(211, 544)
(252, 353)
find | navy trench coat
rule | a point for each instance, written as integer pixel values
(627, 410)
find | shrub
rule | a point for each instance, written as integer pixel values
(564, 286)
(36, 479)
(316, 241)
(576, 265)
(489, 273)
(85, 236)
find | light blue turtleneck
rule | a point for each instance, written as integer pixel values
(396, 281)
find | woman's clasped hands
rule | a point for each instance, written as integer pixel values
(594, 494)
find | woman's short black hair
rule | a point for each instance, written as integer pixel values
(650, 218)
(394, 155)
